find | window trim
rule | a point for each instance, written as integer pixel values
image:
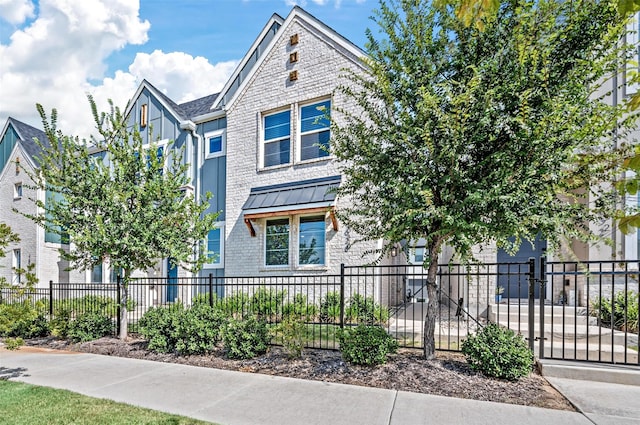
(263, 142)
(18, 191)
(16, 263)
(159, 144)
(300, 133)
(323, 219)
(287, 266)
(223, 149)
(220, 225)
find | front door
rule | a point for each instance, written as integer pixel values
(513, 278)
(172, 281)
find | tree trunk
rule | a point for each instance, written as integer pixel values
(124, 283)
(432, 304)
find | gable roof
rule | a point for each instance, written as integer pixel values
(183, 111)
(296, 14)
(26, 134)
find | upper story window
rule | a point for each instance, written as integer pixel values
(17, 191)
(277, 242)
(276, 139)
(314, 130)
(311, 247)
(215, 143)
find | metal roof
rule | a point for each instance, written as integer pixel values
(306, 192)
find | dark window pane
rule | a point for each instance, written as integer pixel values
(277, 243)
(276, 153)
(312, 240)
(315, 145)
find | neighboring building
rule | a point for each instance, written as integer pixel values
(19, 152)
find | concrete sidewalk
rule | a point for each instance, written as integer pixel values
(236, 398)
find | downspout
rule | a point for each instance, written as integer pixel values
(614, 233)
(191, 127)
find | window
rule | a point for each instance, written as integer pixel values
(277, 145)
(96, 273)
(632, 70)
(312, 241)
(277, 242)
(417, 254)
(17, 266)
(17, 191)
(215, 247)
(314, 130)
(115, 273)
(215, 143)
(53, 233)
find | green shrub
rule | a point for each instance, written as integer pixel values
(293, 331)
(60, 323)
(365, 310)
(22, 320)
(158, 326)
(90, 326)
(366, 345)
(498, 352)
(267, 302)
(300, 307)
(204, 298)
(621, 312)
(198, 329)
(246, 338)
(236, 305)
(100, 304)
(330, 308)
(13, 343)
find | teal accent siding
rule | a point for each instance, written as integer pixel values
(6, 146)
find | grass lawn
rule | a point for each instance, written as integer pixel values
(28, 404)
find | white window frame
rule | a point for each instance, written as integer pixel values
(16, 263)
(633, 38)
(159, 144)
(287, 266)
(220, 265)
(17, 191)
(263, 142)
(412, 255)
(297, 237)
(299, 132)
(217, 133)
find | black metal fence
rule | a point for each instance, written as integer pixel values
(566, 310)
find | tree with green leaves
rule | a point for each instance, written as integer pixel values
(465, 135)
(120, 200)
(7, 236)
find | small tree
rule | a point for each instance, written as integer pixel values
(119, 200)
(463, 136)
(6, 237)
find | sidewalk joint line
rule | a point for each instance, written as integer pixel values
(393, 406)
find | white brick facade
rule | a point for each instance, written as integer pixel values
(320, 60)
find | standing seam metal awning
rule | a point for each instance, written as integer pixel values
(307, 196)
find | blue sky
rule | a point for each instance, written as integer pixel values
(55, 51)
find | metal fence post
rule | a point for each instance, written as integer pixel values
(50, 299)
(342, 295)
(543, 281)
(532, 283)
(211, 289)
(118, 296)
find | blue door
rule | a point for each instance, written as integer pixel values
(513, 278)
(172, 281)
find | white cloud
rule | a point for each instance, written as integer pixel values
(61, 56)
(16, 11)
